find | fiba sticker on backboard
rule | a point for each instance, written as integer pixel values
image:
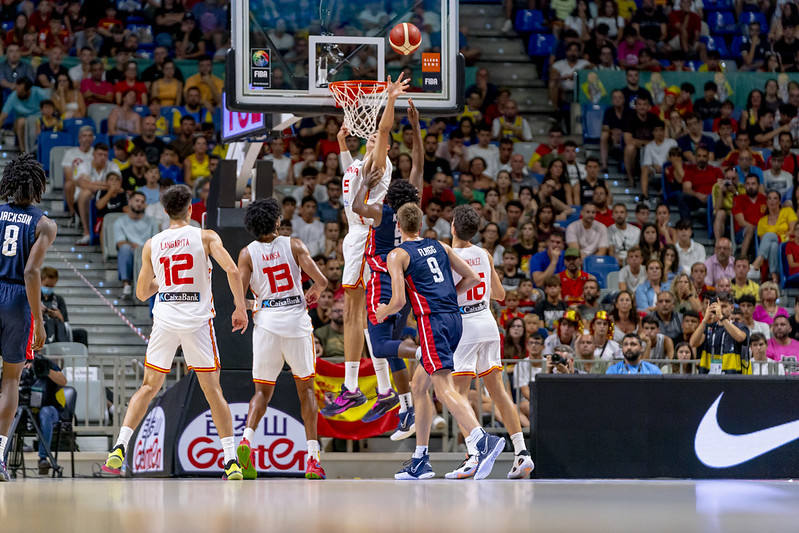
(431, 72)
(278, 444)
(148, 452)
(261, 67)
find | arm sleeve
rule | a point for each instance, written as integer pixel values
(346, 160)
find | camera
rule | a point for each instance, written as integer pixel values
(31, 383)
(558, 359)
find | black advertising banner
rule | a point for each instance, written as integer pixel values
(178, 435)
(665, 426)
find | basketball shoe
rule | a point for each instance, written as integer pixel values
(115, 460)
(416, 468)
(313, 470)
(244, 453)
(488, 449)
(232, 471)
(406, 426)
(385, 403)
(4, 472)
(466, 470)
(522, 466)
(345, 400)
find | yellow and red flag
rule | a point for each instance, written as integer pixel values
(348, 425)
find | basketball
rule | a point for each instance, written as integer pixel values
(405, 38)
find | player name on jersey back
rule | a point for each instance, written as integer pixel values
(183, 273)
(474, 304)
(17, 218)
(276, 283)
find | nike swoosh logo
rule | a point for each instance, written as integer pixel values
(718, 449)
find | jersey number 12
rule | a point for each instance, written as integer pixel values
(174, 265)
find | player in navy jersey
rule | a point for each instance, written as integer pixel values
(385, 340)
(26, 235)
(425, 266)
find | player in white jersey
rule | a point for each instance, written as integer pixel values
(272, 267)
(478, 352)
(176, 269)
(376, 167)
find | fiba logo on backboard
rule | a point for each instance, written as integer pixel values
(148, 452)
(261, 67)
(278, 445)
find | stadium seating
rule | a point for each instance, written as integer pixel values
(530, 21)
(73, 125)
(786, 281)
(48, 140)
(717, 44)
(592, 122)
(722, 23)
(541, 44)
(600, 266)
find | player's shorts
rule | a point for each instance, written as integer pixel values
(353, 249)
(199, 348)
(384, 339)
(477, 358)
(270, 350)
(378, 291)
(439, 335)
(16, 324)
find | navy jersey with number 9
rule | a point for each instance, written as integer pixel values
(428, 278)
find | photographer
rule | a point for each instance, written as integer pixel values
(562, 361)
(719, 341)
(40, 387)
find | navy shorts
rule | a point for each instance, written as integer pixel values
(16, 324)
(378, 291)
(385, 338)
(439, 335)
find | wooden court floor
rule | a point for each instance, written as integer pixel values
(278, 505)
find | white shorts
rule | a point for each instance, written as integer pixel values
(199, 348)
(269, 351)
(354, 248)
(476, 359)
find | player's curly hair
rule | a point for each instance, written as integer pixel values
(176, 200)
(262, 216)
(401, 192)
(23, 180)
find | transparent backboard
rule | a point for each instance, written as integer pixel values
(286, 52)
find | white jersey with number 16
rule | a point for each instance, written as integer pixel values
(478, 322)
(276, 283)
(183, 273)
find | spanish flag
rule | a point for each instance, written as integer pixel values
(348, 425)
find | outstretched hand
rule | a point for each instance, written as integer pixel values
(398, 87)
(343, 133)
(413, 114)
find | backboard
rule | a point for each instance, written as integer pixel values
(285, 53)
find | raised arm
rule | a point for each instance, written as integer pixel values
(469, 277)
(397, 261)
(45, 235)
(309, 266)
(377, 159)
(146, 285)
(217, 250)
(344, 156)
(417, 152)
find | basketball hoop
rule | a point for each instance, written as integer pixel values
(361, 101)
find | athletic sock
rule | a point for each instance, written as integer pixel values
(518, 443)
(351, 375)
(472, 440)
(381, 372)
(229, 448)
(248, 434)
(313, 448)
(420, 452)
(406, 402)
(3, 440)
(125, 433)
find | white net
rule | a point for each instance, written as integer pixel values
(361, 102)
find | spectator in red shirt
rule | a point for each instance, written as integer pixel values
(791, 162)
(727, 107)
(94, 89)
(329, 144)
(107, 23)
(438, 189)
(130, 83)
(743, 142)
(698, 183)
(792, 251)
(747, 209)
(573, 278)
(683, 28)
(40, 19)
(511, 310)
(604, 213)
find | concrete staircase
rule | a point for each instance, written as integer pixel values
(505, 56)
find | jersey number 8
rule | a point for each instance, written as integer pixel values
(10, 241)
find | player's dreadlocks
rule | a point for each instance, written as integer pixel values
(261, 217)
(23, 180)
(401, 192)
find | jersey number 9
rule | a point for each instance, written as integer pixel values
(438, 276)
